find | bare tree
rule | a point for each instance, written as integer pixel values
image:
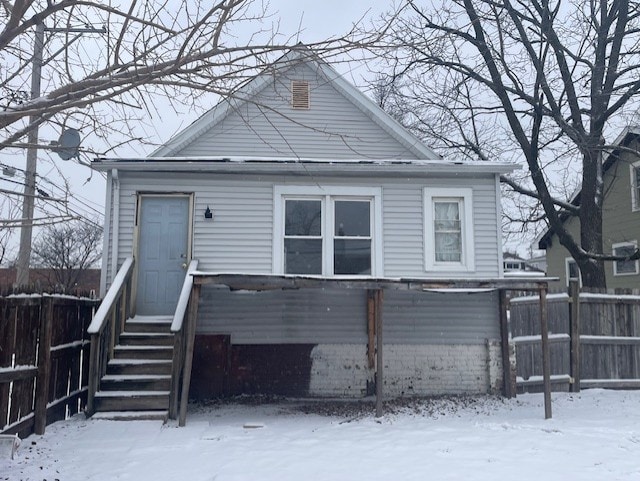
(66, 251)
(178, 49)
(107, 65)
(538, 80)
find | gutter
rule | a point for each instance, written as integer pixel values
(267, 166)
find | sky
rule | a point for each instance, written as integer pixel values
(592, 436)
(312, 20)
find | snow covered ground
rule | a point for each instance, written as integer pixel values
(594, 435)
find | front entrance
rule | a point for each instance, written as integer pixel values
(163, 250)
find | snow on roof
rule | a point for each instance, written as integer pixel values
(244, 162)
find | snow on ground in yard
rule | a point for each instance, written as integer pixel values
(594, 435)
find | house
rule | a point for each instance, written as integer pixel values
(620, 219)
(515, 265)
(304, 203)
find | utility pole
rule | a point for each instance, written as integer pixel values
(24, 254)
(26, 227)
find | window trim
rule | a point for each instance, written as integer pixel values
(329, 194)
(633, 244)
(635, 201)
(568, 260)
(465, 199)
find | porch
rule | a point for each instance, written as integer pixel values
(110, 323)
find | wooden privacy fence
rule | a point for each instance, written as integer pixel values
(594, 342)
(44, 360)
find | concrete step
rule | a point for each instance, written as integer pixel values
(138, 366)
(136, 382)
(146, 339)
(148, 324)
(133, 415)
(131, 401)
(143, 352)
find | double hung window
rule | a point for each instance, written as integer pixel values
(624, 267)
(329, 234)
(448, 229)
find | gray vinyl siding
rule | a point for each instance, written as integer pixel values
(239, 238)
(313, 316)
(440, 318)
(403, 232)
(332, 127)
(338, 316)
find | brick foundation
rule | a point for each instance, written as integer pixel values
(340, 370)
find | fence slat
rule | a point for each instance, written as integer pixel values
(49, 328)
(606, 353)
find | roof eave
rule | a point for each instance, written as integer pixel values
(358, 166)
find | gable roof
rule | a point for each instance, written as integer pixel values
(260, 82)
(628, 135)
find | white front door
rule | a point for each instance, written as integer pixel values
(163, 249)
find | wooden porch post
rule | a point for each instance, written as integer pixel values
(546, 359)
(188, 360)
(574, 293)
(379, 367)
(371, 328)
(504, 341)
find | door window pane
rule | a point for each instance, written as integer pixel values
(303, 256)
(352, 256)
(352, 218)
(303, 218)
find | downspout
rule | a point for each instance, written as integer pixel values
(105, 238)
(116, 222)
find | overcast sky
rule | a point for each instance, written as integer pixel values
(314, 20)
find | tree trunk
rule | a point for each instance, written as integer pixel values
(591, 198)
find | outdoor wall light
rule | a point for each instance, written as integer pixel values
(208, 214)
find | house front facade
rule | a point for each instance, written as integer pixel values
(301, 175)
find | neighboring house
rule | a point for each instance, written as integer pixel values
(514, 265)
(620, 219)
(302, 176)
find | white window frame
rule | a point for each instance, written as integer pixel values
(464, 196)
(635, 200)
(328, 194)
(634, 245)
(567, 261)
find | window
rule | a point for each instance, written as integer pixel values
(352, 237)
(625, 268)
(327, 231)
(448, 229)
(571, 270)
(303, 236)
(634, 173)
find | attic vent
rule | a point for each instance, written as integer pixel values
(299, 94)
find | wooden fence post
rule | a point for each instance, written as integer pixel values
(44, 365)
(574, 327)
(546, 358)
(509, 390)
